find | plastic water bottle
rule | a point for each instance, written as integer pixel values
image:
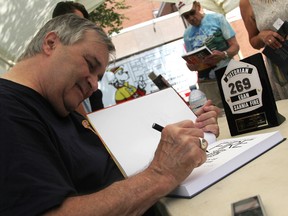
(197, 99)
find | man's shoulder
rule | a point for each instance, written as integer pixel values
(188, 29)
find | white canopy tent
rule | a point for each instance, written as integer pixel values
(219, 6)
(21, 19)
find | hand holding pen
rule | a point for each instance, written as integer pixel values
(179, 150)
(202, 142)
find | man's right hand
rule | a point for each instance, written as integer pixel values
(178, 152)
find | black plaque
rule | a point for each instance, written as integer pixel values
(247, 96)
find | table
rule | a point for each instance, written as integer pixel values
(266, 176)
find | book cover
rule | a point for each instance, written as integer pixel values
(127, 133)
(280, 56)
(197, 56)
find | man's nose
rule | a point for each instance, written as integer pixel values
(93, 82)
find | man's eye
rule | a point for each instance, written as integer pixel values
(90, 65)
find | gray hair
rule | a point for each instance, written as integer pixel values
(70, 29)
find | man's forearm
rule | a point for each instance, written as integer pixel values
(132, 196)
(233, 47)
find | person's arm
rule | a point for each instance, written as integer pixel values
(207, 117)
(257, 39)
(218, 55)
(177, 154)
(250, 24)
(233, 48)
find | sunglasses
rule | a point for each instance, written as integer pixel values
(189, 13)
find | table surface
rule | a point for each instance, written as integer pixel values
(266, 176)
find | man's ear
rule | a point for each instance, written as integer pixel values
(50, 42)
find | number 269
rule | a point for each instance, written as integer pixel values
(239, 86)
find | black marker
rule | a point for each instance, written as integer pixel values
(157, 127)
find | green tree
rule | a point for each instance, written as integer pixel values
(108, 17)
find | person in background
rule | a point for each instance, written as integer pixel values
(65, 7)
(94, 102)
(259, 17)
(214, 31)
(51, 161)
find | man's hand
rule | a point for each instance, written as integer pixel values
(214, 58)
(178, 153)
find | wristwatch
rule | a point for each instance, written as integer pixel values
(226, 54)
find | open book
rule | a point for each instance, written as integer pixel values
(226, 156)
(196, 57)
(126, 131)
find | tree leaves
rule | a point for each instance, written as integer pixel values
(108, 15)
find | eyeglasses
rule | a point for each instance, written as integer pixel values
(189, 13)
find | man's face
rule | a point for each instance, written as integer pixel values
(193, 17)
(75, 71)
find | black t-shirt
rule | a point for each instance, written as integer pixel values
(45, 158)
